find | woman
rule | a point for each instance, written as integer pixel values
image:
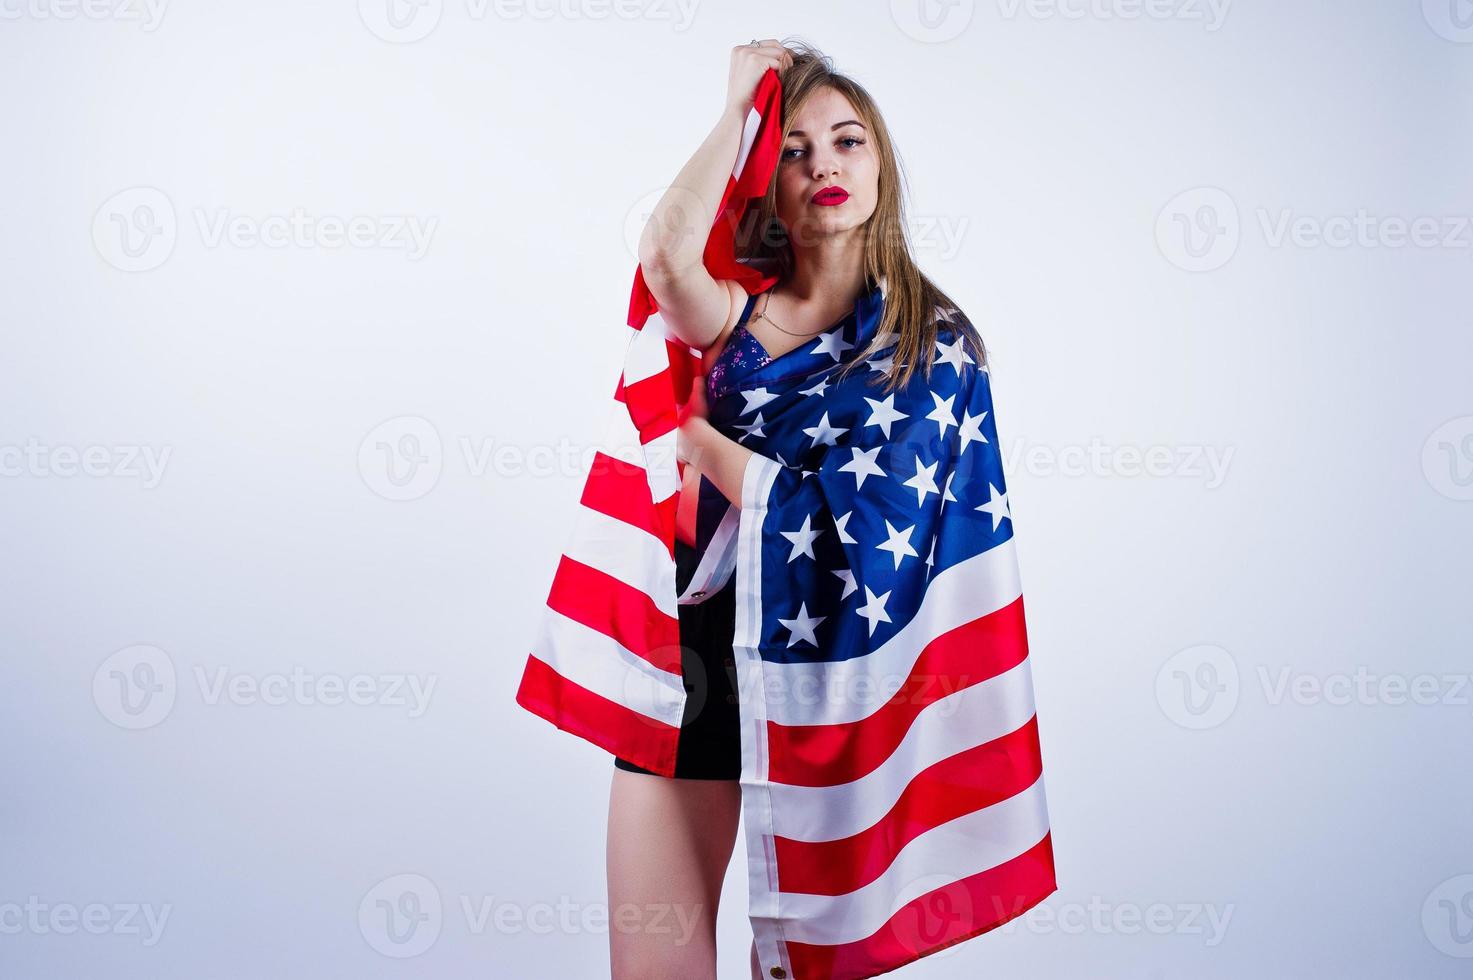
(832, 227)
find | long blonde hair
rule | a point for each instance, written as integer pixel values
(911, 299)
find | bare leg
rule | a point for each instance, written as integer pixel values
(669, 842)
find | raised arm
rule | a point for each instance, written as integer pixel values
(695, 306)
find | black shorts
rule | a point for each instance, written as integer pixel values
(710, 742)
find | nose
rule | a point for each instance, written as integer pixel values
(825, 165)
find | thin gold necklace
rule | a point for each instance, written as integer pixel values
(762, 315)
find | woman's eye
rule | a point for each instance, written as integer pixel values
(791, 150)
(854, 140)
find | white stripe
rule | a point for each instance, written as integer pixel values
(647, 355)
(749, 137)
(592, 660)
(968, 718)
(624, 552)
(957, 849)
(968, 590)
(762, 895)
(717, 562)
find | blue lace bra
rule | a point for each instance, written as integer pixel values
(742, 354)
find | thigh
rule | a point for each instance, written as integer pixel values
(669, 843)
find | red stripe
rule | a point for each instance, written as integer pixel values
(940, 918)
(960, 784)
(828, 755)
(618, 610)
(644, 741)
(651, 403)
(621, 490)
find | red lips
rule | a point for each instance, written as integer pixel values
(830, 196)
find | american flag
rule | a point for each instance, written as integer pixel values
(892, 786)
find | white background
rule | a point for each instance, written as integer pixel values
(1056, 153)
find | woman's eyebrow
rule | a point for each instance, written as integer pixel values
(846, 122)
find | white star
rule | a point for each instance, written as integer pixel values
(883, 413)
(802, 627)
(997, 506)
(817, 389)
(881, 365)
(847, 577)
(824, 433)
(946, 490)
(755, 429)
(755, 399)
(863, 464)
(802, 538)
(944, 314)
(844, 534)
(952, 354)
(832, 344)
(970, 430)
(943, 413)
(874, 609)
(924, 481)
(898, 543)
(931, 558)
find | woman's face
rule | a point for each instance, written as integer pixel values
(828, 150)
